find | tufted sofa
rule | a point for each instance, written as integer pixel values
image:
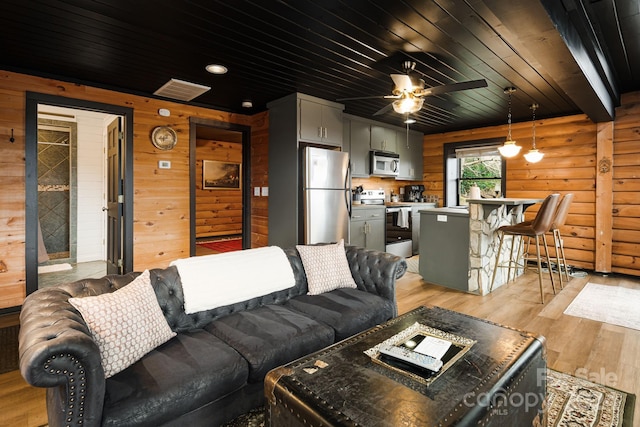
(213, 369)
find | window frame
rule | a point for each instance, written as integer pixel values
(451, 168)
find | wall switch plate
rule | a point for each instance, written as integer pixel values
(441, 218)
(265, 191)
(256, 191)
(164, 164)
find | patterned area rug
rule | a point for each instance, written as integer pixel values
(574, 401)
(609, 304)
(226, 245)
(571, 401)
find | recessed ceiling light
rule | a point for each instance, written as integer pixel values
(216, 69)
(247, 104)
(410, 121)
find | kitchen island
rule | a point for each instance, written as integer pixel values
(458, 245)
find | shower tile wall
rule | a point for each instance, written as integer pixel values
(56, 186)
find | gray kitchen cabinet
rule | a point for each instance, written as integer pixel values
(411, 160)
(285, 198)
(415, 223)
(359, 140)
(367, 228)
(383, 138)
(444, 247)
(320, 121)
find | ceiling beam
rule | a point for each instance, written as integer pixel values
(543, 33)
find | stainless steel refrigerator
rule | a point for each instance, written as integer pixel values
(326, 195)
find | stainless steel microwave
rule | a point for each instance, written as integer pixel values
(384, 163)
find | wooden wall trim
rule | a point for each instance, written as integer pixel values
(604, 196)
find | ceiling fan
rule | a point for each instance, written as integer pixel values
(409, 93)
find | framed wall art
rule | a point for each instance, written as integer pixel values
(221, 175)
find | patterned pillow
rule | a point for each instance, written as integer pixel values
(126, 324)
(326, 267)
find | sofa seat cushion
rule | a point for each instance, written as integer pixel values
(183, 374)
(347, 311)
(270, 336)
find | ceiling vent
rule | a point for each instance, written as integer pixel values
(181, 90)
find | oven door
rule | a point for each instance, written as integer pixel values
(398, 224)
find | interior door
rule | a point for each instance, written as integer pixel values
(114, 197)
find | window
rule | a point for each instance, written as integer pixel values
(474, 162)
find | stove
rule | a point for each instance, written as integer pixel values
(373, 197)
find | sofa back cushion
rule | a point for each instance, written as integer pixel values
(166, 282)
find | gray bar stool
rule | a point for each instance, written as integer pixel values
(540, 225)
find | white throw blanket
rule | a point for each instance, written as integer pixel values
(217, 280)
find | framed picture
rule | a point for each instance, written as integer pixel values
(221, 175)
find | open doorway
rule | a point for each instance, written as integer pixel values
(220, 187)
(78, 157)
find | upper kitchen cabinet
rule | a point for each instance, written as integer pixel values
(317, 120)
(320, 121)
(358, 146)
(410, 151)
(383, 138)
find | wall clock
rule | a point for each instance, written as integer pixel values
(164, 137)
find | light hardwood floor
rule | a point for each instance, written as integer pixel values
(603, 353)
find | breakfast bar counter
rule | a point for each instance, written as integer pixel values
(458, 246)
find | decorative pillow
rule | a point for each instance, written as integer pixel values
(326, 267)
(126, 324)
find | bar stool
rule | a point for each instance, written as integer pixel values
(558, 221)
(540, 225)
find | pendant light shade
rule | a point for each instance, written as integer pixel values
(509, 149)
(534, 155)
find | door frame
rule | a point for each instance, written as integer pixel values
(33, 99)
(194, 123)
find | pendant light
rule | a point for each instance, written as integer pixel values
(509, 149)
(534, 155)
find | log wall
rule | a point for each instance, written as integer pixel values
(161, 196)
(218, 211)
(571, 165)
(625, 252)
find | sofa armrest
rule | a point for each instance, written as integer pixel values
(57, 351)
(376, 272)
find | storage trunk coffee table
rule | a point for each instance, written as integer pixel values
(492, 376)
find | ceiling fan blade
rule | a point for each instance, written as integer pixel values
(362, 97)
(403, 82)
(384, 109)
(454, 87)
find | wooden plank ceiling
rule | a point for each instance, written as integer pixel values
(568, 56)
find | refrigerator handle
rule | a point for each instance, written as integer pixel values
(347, 187)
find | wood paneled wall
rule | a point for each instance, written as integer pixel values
(625, 256)
(161, 196)
(570, 165)
(218, 211)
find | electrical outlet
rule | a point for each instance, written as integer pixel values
(265, 191)
(256, 191)
(164, 164)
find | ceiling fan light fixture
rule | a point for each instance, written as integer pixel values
(408, 105)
